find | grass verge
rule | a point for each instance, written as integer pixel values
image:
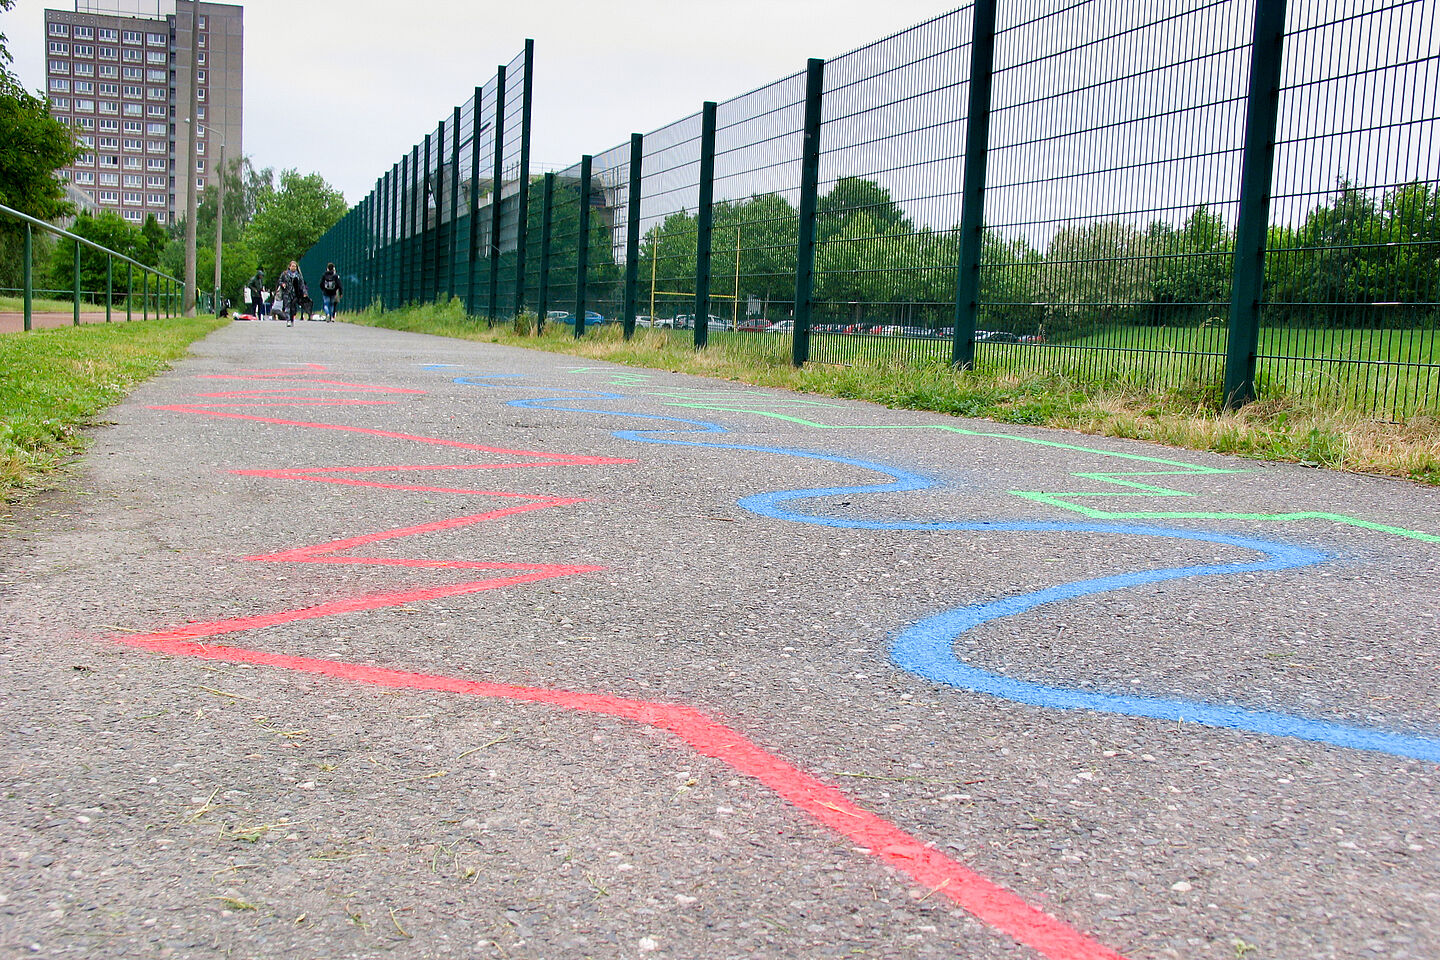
(55, 381)
(1285, 428)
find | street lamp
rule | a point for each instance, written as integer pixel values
(219, 204)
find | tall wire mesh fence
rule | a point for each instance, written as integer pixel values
(1094, 161)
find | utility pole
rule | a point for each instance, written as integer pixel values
(190, 160)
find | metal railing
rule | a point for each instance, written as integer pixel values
(160, 288)
(1224, 198)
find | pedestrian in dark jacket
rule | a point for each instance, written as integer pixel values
(292, 291)
(331, 290)
(256, 286)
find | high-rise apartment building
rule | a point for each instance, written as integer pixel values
(119, 74)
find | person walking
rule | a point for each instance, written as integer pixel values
(256, 286)
(291, 291)
(331, 290)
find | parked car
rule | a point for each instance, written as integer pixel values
(781, 326)
(643, 321)
(755, 325)
(592, 319)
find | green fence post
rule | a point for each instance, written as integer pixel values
(972, 204)
(473, 252)
(632, 233)
(29, 275)
(454, 201)
(706, 220)
(1252, 227)
(392, 215)
(129, 292)
(427, 260)
(402, 262)
(809, 191)
(582, 247)
(109, 285)
(522, 214)
(414, 273)
(145, 296)
(76, 291)
(546, 210)
(497, 195)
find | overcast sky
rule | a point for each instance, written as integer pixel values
(341, 87)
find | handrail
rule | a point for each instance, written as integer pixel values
(167, 297)
(25, 217)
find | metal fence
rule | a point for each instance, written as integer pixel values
(449, 218)
(1228, 198)
(94, 275)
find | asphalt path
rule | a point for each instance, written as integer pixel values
(351, 643)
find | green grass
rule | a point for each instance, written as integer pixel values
(55, 381)
(1133, 405)
(17, 305)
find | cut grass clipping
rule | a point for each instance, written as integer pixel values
(56, 381)
(1282, 428)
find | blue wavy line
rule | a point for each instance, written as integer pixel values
(927, 648)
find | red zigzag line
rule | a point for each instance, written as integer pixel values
(987, 901)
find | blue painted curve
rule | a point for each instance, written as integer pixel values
(927, 648)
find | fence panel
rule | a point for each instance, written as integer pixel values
(1352, 286)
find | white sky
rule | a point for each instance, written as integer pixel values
(342, 87)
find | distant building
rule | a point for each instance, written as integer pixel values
(118, 72)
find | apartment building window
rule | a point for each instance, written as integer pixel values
(85, 123)
(109, 179)
(160, 217)
(59, 85)
(134, 92)
(154, 164)
(201, 113)
(199, 166)
(154, 111)
(85, 177)
(203, 38)
(157, 39)
(134, 145)
(131, 56)
(84, 106)
(159, 93)
(64, 121)
(203, 22)
(157, 129)
(109, 196)
(134, 110)
(200, 76)
(109, 143)
(199, 183)
(60, 49)
(134, 180)
(157, 146)
(59, 66)
(134, 216)
(133, 73)
(201, 57)
(132, 163)
(135, 127)
(84, 33)
(157, 76)
(155, 183)
(132, 36)
(153, 57)
(109, 90)
(109, 53)
(107, 107)
(59, 30)
(200, 93)
(109, 126)
(108, 71)
(85, 160)
(200, 147)
(134, 198)
(84, 69)
(109, 160)
(84, 86)
(108, 36)
(87, 142)
(157, 200)
(60, 103)
(84, 50)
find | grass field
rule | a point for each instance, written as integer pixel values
(1283, 427)
(17, 304)
(55, 381)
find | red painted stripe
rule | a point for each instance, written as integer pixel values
(984, 899)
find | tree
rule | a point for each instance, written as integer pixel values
(1095, 273)
(33, 145)
(289, 220)
(1192, 268)
(106, 229)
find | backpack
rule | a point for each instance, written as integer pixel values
(329, 283)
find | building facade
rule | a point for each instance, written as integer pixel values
(119, 74)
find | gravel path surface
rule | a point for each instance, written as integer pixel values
(351, 643)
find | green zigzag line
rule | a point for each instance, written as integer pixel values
(1135, 487)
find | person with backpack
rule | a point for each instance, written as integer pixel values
(330, 289)
(291, 291)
